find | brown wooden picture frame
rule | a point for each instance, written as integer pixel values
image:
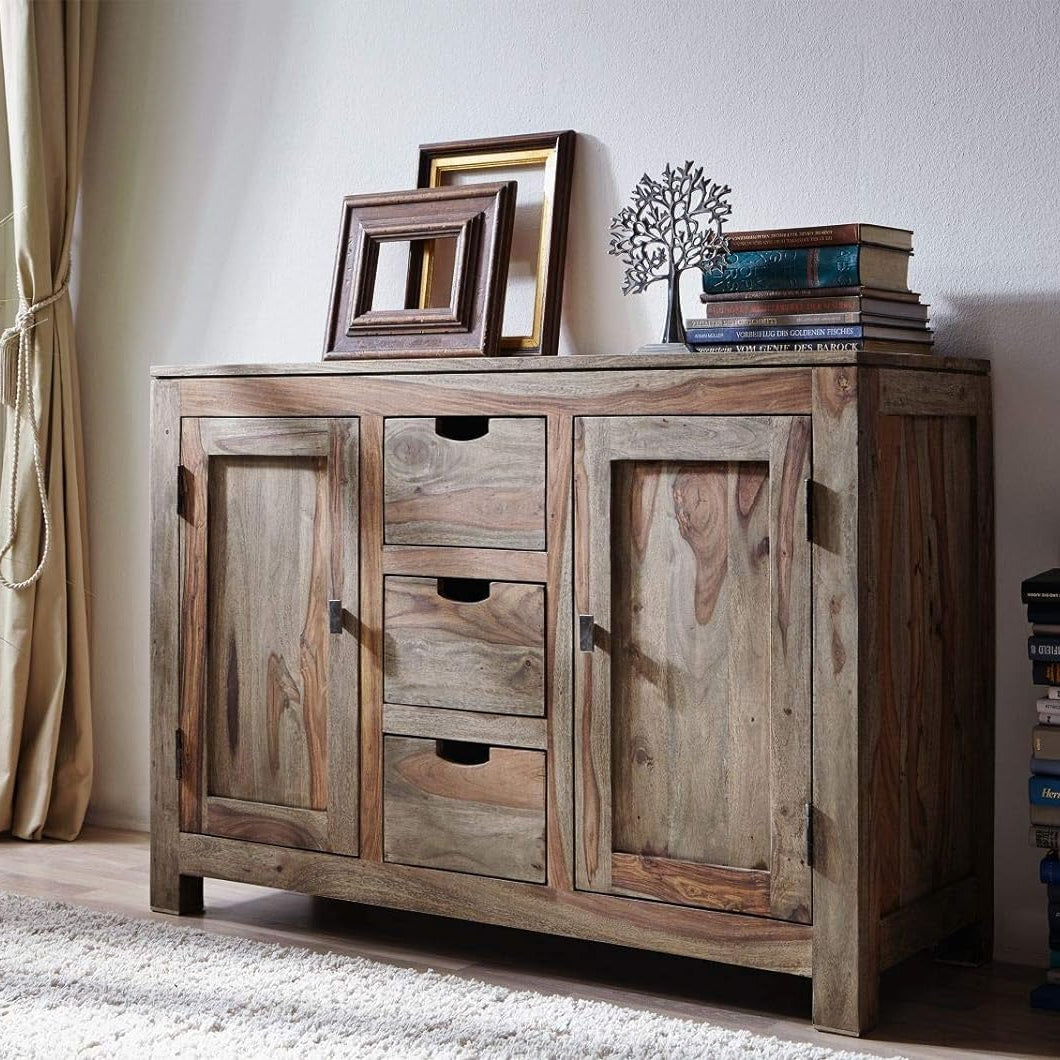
(554, 151)
(478, 217)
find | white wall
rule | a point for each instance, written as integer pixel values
(223, 137)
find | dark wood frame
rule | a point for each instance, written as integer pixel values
(554, 246)
(479, 217)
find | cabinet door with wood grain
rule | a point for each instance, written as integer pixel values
(692, 734)
(267, 747)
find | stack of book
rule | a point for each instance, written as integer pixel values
(834, 287)
(1041, 594)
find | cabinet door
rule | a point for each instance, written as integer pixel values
(692, 734)
(269, 631)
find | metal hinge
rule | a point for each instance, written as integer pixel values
(809, 509)
(809, 835)
(182, 490)
(180, 753)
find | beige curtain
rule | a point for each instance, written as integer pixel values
(45, 723)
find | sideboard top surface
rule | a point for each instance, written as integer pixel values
(582, 362)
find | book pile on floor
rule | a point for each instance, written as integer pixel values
(1041, 594)
(834, 287)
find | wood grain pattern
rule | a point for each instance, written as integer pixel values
(844, 947)
(559, 646)
(685, 883)
(283, 826)
(688, 530)
(266, 631)
(928, 920)
(484, 655)
(486, 492)
(371, 759)
(757, 942)
(171, 890)
(451, 562)
(486, 819)
(768, 391)
(722, 357)
(496, 730)
(928, 619)
(270, 539)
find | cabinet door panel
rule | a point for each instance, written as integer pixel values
(269, 697)
(693, 708)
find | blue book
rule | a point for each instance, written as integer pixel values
(808, 268)
(1045, 767)
(1049, 869)
(783, 333)
(1044, 791)
(1046, 996)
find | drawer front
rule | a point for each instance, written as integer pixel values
(465, 644)
(465, 807)
(465, 480)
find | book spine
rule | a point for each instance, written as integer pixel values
(709, 298)
(1045, 767)
(1044, 836)
(1045, 673)
(1045, 743)
(772, 238)
(777, 334)
(782, 319)
(1046, 996)
(1044, 791)
(1047, 648)
(1040, 596)
(1049, 869)
(1043, 615)
(1045, 816)
(768, 307)
(760, 270)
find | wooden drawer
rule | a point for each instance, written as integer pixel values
(465, 480)
(465, 644)
(464, 806)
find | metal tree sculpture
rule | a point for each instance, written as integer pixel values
(674, 224)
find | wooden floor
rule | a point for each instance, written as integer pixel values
(928, 1010)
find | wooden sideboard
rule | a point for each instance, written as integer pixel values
(692, 653)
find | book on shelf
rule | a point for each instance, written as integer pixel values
(1044, 836)
(1045, 767)
(709, 297)
(1043, 614)
(874, 304)
(1044, 791)
(1045, 631)
(834, 346)
(1043, 647)
(804, 332)
(853, 265)
(1045, 673)
(821, 236)
(1045, 816)
(1042, 588)
(1054, 958)
(781, 319)
(1045, 742)
(1049, 869)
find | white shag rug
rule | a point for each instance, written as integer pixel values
(78, 982)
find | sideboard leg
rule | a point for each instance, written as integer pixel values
(171, 891)
(845, 1000)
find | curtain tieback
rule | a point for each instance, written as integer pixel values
(16, 391)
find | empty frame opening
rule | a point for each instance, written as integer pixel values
(392, 266)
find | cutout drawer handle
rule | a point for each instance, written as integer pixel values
(462, 753)
(461, 428)
(335, 616)
(463, 590)
(586, 626)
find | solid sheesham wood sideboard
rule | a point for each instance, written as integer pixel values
(691, 653)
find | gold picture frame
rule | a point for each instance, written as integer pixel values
(550, 153)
